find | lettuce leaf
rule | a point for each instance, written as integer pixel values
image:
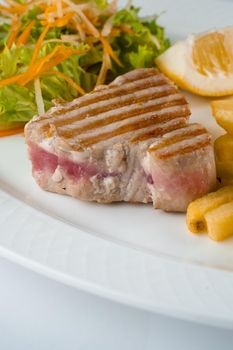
(141, 41)
(142, 57)
(101, 3)
(17, 104)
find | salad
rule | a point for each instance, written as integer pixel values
(53, 51)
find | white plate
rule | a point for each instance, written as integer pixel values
(128, 253)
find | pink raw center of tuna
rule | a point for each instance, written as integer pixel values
(190, 182)
(44, 160)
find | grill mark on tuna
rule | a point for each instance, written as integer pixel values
(198, 142)
(124, 115)
(146, 135)
(185, 133)
(127, 137)
(138, 100)
(111, 92)
(94, 110)
(139, 124)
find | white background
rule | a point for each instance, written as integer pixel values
(39, 314)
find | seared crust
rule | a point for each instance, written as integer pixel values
(188, 138)
(135, 101)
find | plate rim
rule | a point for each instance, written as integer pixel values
(174, 308)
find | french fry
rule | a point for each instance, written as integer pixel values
(226, 182)
(223, 148)
(219, 222)
(214, 212)
(225, 169)
(197, 209)
(223, 112)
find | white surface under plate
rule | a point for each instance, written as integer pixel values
(128, 253)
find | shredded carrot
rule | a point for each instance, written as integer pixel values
(14, 30)
(19, 9)
(108, 49)
(60, 22)
(47, 7)
(126, 29)
(41, 66)
(50, 8)
(69, 80)
(11, 80)
(38, 44)
(22, 39)
(13, 131)
(48, 12)
(58, 55)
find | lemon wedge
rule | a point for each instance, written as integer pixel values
(202, 64)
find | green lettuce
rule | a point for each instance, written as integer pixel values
(141, 47)
(17, 104)
(137, 46)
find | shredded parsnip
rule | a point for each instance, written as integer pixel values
(39, 98)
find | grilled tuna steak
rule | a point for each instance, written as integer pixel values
(128, 141)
